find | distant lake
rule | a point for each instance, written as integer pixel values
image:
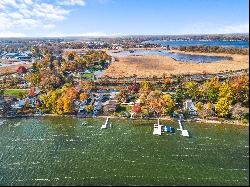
(177, 56)
(61, 151)
(240, 44)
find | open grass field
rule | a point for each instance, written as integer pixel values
(15, 92)
(148, 66)
(12, 69)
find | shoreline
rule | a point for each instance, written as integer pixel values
(198, 120)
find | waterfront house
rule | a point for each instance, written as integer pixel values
(18, 104)
(24, 84)
(190, 106)
(82, 111)
(111, 106)
(21, 103)
(32, 102)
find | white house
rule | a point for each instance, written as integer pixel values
(190, 106)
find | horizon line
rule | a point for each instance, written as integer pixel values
(119, 35)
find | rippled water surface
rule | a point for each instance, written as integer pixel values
(240, 44)
(60, 151)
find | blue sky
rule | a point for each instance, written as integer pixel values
(38, 18)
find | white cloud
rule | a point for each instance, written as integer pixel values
(72, 2)
(27, 23)
(5, 23)
(49, 11)
(30, 14)
(16, 15)
(13, 21)
(49, 26)
(6, 3)
(29, 2)
(241, 28)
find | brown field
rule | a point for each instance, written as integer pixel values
(148, 66)
(12, 69)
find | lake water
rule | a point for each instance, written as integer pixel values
(60, 151)
(176, 56)
(241, 44)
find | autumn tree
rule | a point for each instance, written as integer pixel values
(167, 81)
(137, 109)
(168, 104)
(71, 55)
(146, 86)
(134, 87)
(34, 78)
(83, 96)
(123, 96)
(89, 108)
(154, 102)
(205, 110)
(59, 106)
(210, 89)
(226, 91)
(67, 105)
(192, 90)
(22, 70)
(105, 56)
(50, 98)
(38, 104)
(179, 95)
(223, 107)
(238, 112)
(240, 86)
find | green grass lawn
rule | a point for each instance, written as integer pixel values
(15, 92)
(87, 75)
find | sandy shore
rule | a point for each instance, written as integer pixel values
(148, 66)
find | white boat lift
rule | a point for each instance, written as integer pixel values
(106, 125)
(183, 132)
(157, 128)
